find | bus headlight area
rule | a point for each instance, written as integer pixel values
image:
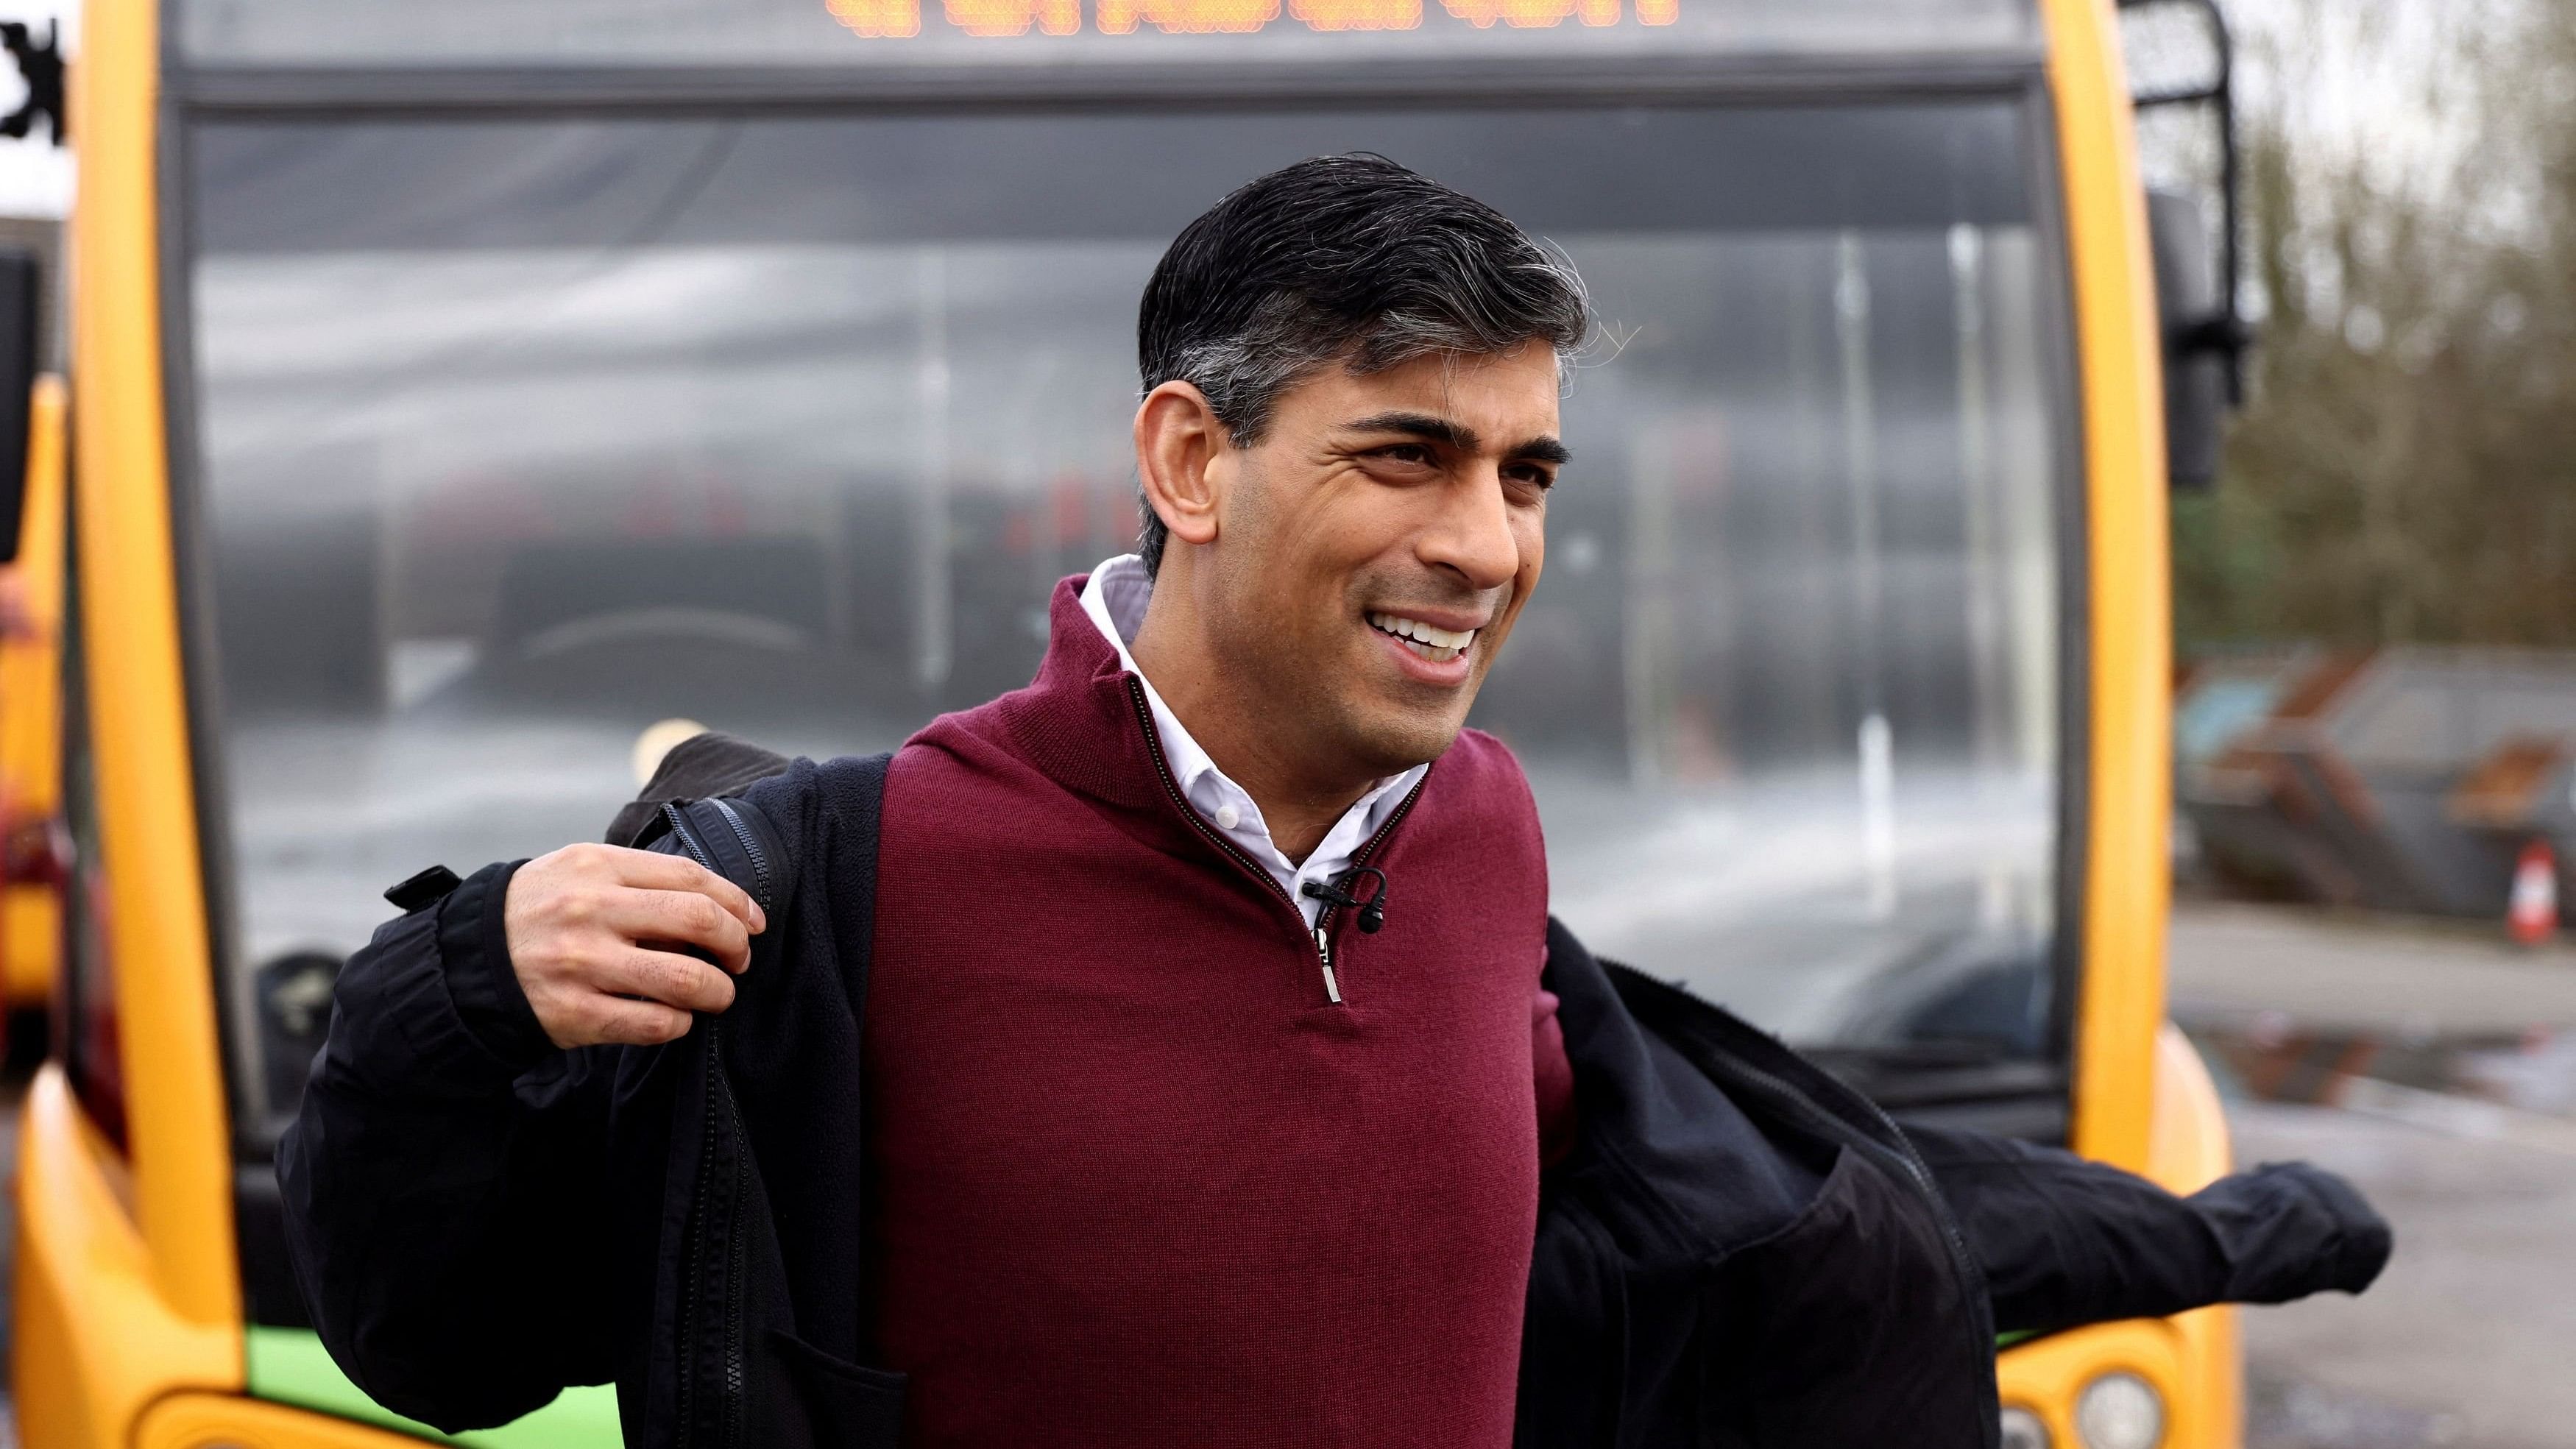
(2023, 1429)
(2168, 1383)
(2116, 1409)
(2119, 1410)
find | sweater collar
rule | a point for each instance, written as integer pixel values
(1114, 600)
(1080, 721)
(1086, 724)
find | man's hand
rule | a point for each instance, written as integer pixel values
(596, 934)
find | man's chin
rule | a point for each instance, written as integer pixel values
(1394, 743)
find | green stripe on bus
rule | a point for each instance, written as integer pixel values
(290, 1366)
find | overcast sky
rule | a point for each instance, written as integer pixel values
(35, 175)
(2391, 82)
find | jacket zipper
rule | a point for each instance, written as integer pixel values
(750, 847)
(718, 1089)
(688, 838)
(1321, 934)
(733, 1365)
(1910, 1169)
(733, 1357)
(696, 1270)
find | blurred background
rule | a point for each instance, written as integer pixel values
(2375, 728)
(512, 444)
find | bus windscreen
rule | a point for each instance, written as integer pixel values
(520, 437)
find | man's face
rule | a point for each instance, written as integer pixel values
(1374, 548)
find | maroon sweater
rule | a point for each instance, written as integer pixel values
(1136, 1181)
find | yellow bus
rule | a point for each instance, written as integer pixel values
(414, 348)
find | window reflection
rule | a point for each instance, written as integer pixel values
(483, 509)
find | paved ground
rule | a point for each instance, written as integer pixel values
(2330, 972)
(2467, 1341)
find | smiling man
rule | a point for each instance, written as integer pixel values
(1207, 1081)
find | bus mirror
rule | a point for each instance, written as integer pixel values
(2200, 339)
(2181, 57)
(18, 368)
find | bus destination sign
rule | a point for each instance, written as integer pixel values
(998, 19)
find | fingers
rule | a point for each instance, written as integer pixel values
(651, 870)
(580, 1013)
(674, 980)
(637, 997)
(575, 921)
(679, 918)
(633, 1023)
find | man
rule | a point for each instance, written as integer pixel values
(1161, 1057)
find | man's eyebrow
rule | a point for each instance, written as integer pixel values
(1431, 427)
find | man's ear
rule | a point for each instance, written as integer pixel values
(1178, 441)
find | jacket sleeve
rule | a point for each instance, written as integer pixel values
(2065, 1241)
(441, 1180)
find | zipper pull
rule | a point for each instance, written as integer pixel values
(1324, 953)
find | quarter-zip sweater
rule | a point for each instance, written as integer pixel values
(1136, 1177)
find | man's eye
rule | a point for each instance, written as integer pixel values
(1538, 478)
(1406, 453)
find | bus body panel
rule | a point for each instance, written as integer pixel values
(94, 1340)
(175, 1102)
(200, 1421)
(2128, 723)
(30, 710)
(2189, 1150)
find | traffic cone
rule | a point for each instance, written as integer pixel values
(2532, 916)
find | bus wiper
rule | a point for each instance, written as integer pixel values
(1906, 1074)
(1949, 1053)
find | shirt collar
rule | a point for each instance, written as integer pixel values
(1115, 599)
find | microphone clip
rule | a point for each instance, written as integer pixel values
(1342, 892)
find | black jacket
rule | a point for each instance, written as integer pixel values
(1739, 1250)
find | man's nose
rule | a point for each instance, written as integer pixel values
(1474, 537)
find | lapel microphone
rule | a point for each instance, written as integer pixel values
(1372, 907)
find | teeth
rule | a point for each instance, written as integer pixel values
(1435, 644)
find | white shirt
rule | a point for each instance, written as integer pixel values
(1115, 598)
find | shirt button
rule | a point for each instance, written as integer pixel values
(1227, 817)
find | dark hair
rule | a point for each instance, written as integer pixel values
(1349, 259)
